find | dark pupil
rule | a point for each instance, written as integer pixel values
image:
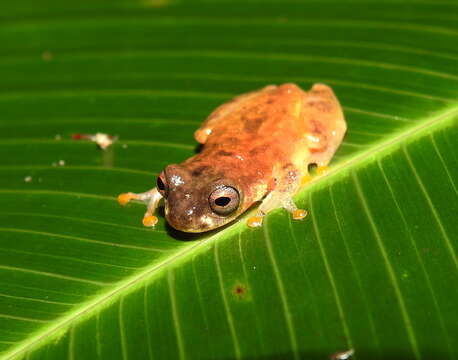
(160, 184)
(222, 201)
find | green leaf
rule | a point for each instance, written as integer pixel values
(374, 266)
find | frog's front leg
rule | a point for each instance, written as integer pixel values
(151, 197)
(281, 196)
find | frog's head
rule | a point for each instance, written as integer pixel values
(198, 200)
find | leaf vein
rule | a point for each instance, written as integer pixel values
(122, 329)
(448, 242)
(54, 275)
(176, 320)
(229, 317)
(389, 268)
(444, 166)
(331, 278)
(21, 318)
(417, 253)
(281, 292)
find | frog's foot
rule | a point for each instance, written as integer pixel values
(151, 197)
(125, 198)
(297, 214)
(149, 220)
(270, 202)
(322, 170)
(306, 179)
(256, 221)
(273, 201)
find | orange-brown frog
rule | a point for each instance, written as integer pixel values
(256, 147)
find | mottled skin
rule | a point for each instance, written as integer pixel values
(261, 144)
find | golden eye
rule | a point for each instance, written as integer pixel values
(162, 184)
(224, 200)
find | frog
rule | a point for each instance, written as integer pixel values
(255, 148)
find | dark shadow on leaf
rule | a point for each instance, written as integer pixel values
(198, 148)
(184, 236)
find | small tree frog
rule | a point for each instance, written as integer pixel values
(256, 147)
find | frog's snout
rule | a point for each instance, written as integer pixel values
(187, 220)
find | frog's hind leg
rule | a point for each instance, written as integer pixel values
(151, 197)
(325, 125)
(281, 196)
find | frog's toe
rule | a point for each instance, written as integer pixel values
(306, 179)
(290, 206)
(322, 170)
(255, 221)
(124, 198)
(150, 220)
(299, 214)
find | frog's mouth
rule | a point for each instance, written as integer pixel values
(181, 221)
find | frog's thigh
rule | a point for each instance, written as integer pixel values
(325, 122)
(202, 134)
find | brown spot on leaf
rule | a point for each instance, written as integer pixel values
(240, 290)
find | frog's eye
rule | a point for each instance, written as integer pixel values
(162, 184)
(224, 200)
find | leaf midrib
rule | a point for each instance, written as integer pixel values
(133, 281)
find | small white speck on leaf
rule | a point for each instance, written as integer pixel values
(343, 355)
(58, 163)
(102, 140)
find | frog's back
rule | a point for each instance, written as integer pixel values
(249, 117)
(277, 119)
